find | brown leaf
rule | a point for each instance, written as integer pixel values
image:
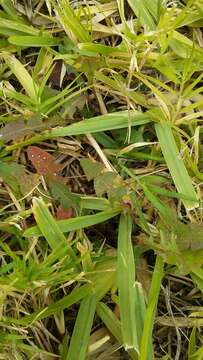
(61, 213)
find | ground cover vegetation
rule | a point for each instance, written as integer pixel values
(101, 171)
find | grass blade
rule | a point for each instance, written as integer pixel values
(126, 283)
(145, 11)
(175, 164)
(76, 223)
(70, 21)
(150, 311)
(112, 121)
(117, 120)
(19, 26)
(22, 75)
(113, 325)
(64, 303)
(37, 41)
(49, 228)
(80, 337)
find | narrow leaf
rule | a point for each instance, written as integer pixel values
(126, 283)
(77, 223)
(81, 333)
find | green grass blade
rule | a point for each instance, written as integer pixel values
(126, 283)
(150, 311)
(117, 120)
(49, 228)
(76, 223)
(110, 320)
(81, 333)
(175, 164)
(112, 121)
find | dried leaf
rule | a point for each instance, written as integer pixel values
(19, 128)
(27, 183)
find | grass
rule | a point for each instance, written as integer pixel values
(101, 180)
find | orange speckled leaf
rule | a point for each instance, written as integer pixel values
(44, 163)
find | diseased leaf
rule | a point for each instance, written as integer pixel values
(44, 163)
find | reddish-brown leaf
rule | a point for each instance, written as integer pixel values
(61, 213)
(45, 163)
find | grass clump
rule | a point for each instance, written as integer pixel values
(101, 180)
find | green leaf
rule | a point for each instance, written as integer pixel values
(112, 121)
(104, 183)
(61, 192)
(146, 11)
(70, 21)
(91, 168)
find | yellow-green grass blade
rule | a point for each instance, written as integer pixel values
(147, 12)
(77, 223)
(70, 21)
(126, 283)
(23, 76)
(81, 333)
(150, 311)
(113, 325)
(19, 26)
(175, 164)
(112, 121)
(9, 9)
(36, 41)
(50, 229)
